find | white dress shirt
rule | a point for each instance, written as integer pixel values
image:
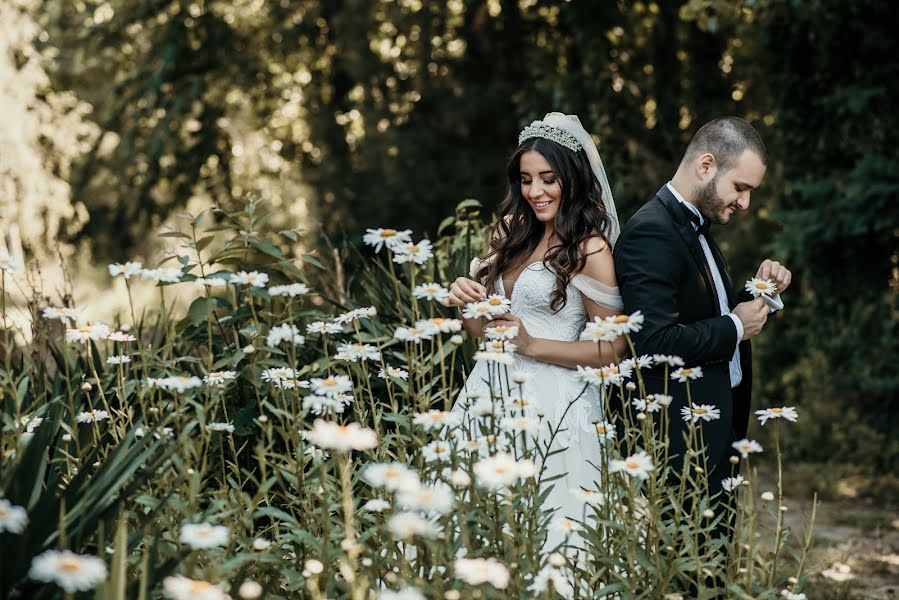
(736, 373)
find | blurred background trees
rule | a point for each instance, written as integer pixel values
(346, 114)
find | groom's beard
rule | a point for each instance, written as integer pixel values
(709, 203)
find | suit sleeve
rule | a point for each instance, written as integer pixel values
(649, 261)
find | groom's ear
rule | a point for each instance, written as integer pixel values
(705, 166)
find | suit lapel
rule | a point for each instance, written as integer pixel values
(685, 229)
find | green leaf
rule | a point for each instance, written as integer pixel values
(199, 311)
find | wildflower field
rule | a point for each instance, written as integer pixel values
(284, 435)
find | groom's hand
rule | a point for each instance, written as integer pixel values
(752, 315)
(776, 272)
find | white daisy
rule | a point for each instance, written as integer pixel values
(498, 304)
(683, 374)
(31, 423)
(787, 412)
(790, 595)
(637, 465)
(342, 438)
(323, 327)
(393, 476)
(85, 333)
(252, 278)
(477, 571)
(127, 270)
(323, 405)
(390, 237)
(63, 313)
(519, 424)
(12, 518)
(761, 287)
(330, 386)
(667, 359)
(219, 377)
(209, 281)
(406, 525)
(660, 399)
(276, 374)
(550, 578)
(565, 526)
(121, 336)
(605, 431)
(746, 447)
(413, 334)
(357, 352)
(476, 310)
(419, 253)
(608, 375)
(460, 478)
(497, 346)
(293, 290)
(394, 372)
(162, 274)
(201, 536)
(501, 332)
(649, 404)
(376, 505)
(626, 323)
(179, 587)
(72, 572)
(700, 412)
(221, 427)
(92, 416)
(503, 358)
(434, 499)
(285, 332)
(502, 470)
(599, 330)
(180, 383)
(588, 497)
(120, 359)
(431, 291)
(355, 314)
(438, 450)
(436, 419)
(729, 484)
(440, 324)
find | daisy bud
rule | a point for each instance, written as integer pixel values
(97, 464)
(708, 513)
(346, 544)
(314, 566)
(792, 581)
(457, 340)
(190, 471)
(452, 595)
(741, 570)
(366, 562)
(154, 409)
(250, 590)
(641, 416)
(767, 496)
(631, 386)
(557, 560)
(249, 349)
(261, 544)
(734, 460)
(263, 419)
(390, 577)
(126, 327)
(699, 470)
(86, 386)
(519, 377)
(783, 509)
(67, 437)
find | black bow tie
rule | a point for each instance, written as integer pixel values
(701, 225)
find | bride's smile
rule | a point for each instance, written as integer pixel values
(540, 186)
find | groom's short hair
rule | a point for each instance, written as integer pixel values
(726, 139)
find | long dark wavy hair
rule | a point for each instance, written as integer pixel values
(581, 215)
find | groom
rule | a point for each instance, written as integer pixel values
(670, 268)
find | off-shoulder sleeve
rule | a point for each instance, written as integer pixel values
(599, 292)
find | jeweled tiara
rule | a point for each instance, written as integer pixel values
(554, 134)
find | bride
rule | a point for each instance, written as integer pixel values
(551, 257)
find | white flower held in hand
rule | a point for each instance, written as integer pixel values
(761, 287)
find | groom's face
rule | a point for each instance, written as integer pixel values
(727, 192)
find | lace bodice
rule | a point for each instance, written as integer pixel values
(531, 298)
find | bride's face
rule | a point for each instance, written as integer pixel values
(540, 186)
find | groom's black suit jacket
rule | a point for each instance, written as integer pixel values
(662, 272)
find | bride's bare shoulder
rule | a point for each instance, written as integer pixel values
(599, 264)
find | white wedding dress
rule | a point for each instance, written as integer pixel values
(551, 388)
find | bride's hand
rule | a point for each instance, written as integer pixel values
(524, 343)
(465, 291)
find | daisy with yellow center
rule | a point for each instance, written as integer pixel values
(761, 287)
(684, 374)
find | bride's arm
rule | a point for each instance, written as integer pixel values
(601, 268)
